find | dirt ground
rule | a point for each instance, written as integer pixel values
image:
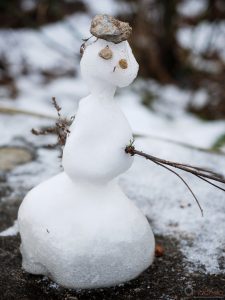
(165, 279)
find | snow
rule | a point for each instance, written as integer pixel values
(110, 71)
(203, 37)
(105, 7)
(170, 206)
(73, 233)
(78, 227)
(99, 114)
(191, 7)
(13, 230)
(159, 194)
(176, 125)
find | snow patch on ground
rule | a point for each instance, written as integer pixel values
(182, 127)
(158, 193)
(13, 230)
(170, 207)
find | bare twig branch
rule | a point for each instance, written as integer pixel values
(178, 175)
(199, 172)
(209, 182)
(61, 128)
(48, 130)
(57, 107)
(185, 167)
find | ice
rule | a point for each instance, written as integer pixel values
(78, 227)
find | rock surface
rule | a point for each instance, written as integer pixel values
(110, 29)
(11, 156)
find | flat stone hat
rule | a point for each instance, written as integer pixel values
(110, 29)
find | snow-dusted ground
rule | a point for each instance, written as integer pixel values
(158, 193)
(171, 208)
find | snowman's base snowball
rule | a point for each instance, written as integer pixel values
(83, 236)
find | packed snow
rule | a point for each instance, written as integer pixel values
(159, 194)
(78, 227)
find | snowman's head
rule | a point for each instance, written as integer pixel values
(108, 62)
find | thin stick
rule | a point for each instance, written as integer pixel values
(215, 185)
(188, 168)
(205, 170)
(181, 178)
(199, 172)
(57, 107)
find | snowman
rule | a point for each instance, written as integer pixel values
(78, 227)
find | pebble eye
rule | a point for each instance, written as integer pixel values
(123, 64)
(106, 53)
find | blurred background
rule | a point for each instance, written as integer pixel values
(179, 44)
(177, 104)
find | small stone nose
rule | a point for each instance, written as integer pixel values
(123, 63)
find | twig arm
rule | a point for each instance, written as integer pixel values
(201, 173)
(185, 167)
